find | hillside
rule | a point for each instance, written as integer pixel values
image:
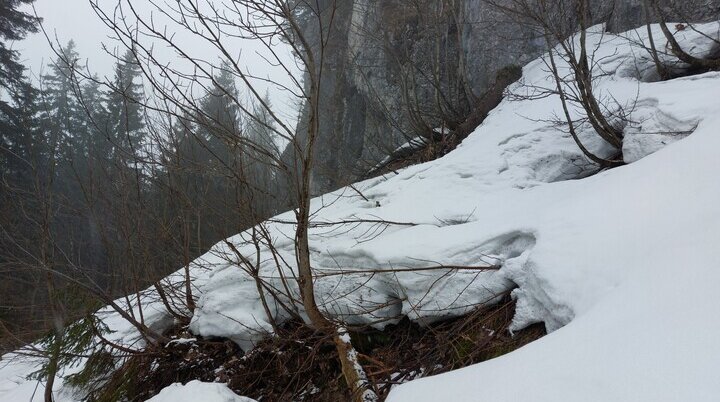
(619, 264)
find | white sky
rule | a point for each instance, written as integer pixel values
(75, 19)
(67, 19)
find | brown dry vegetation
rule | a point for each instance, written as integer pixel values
(301, 364)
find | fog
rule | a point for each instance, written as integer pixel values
(65, 20)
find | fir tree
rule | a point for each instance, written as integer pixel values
(61, 110)
(96, 123)
(260, 131)
(124, 127)
(220, 119)
(14, 25)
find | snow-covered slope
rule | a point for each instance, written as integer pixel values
(629, 261)
(621, 265)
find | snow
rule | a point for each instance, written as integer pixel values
(644, 325)
(624, 269)
(478, 206)
(620, 266)
(412, 144)
(14, 385)
(198, 391)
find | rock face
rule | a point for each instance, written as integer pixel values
(397, 69)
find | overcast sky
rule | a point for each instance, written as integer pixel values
(67, 19)
(76, 20)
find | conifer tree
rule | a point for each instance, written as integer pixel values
(96, 120)
(260, 130)
(125, 123)
(14, 25)
(220, 119)
(209, 158)
(61, 109)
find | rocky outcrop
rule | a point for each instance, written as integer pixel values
(397, 70)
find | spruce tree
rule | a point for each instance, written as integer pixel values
(220, 119)
(97, 120)
(14, 25)
(206, 165)
(125, 124)
(260, 131)
(62, 111)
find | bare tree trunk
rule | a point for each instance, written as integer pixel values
(566, 111)
(659, 67)
(583, 77)
(676, 48)
(44, 194)
(352, 371)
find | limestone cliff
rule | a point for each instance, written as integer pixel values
(399, 69)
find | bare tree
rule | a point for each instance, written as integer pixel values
(556, 23)
(174, 110)
(696, 64)
(265, 22)
(420, 43)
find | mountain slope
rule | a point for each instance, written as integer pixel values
(620, 265)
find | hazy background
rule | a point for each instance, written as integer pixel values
(64, 20)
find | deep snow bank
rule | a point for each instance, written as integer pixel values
(634, 253)
(482, 204)
(622, 263)
(628, 259)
